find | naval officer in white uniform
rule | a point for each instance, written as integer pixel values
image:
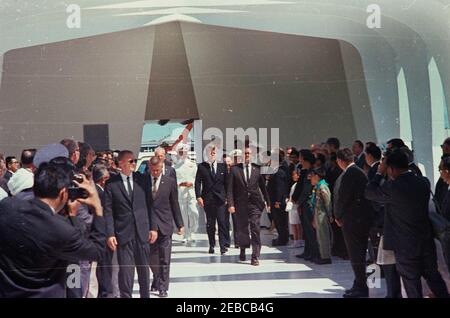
(186, 171)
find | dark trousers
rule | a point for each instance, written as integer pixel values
(339, 248)
(160, 255)
(216, 212)
(234, 220)
(130, 255)
(251, 217)
(446, 250)
(412, 264)
(227, 227)
(85, 273)
(281, 219)
(311, 246)
(356, 236)
(393, 285)
(104, 275)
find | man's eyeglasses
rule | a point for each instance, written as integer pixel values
(131, 161)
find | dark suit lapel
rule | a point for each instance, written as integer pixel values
(122, 188)
(161, 184)
(253, 173)
(241, 173)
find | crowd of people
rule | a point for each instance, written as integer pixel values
(66, 204)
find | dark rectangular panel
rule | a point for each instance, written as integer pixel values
(97, 136)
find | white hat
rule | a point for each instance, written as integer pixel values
(182, 147)
(22, 179)
(49, 152)
(236, 153)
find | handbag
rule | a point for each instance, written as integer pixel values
(440, 225)
(289, 206)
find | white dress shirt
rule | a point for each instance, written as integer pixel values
(125, 183)
(249, 171)
(214, 164)
(158, 181)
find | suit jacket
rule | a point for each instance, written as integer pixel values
(124, 216)
(169, 171)
(302, 189)
(101, 194)
(350, 203)
(4, 184)
(240, 194)
(165, 207)
(277, 188)
(361, 160)
(373, 171)
(209, 187)
(440, 192)
(37, 246)
(8, 174)
(414, 168)
(406, 200)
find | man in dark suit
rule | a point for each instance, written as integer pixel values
(12, 165)
(408, 230)
(277, 188)
(166, 212)
(100, 175)
(358, 152)
(397, 143)
(441, 189)
(130, 224)
(38, 243)
(244, 187)
(354, 214)
(210, 183)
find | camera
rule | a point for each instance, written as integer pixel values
(76, 192)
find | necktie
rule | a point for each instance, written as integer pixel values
(213, 171)
(247, 174)
(130, 190)
(154, 189)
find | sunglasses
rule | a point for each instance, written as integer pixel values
(131, 161)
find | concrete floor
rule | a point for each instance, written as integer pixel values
(195, 273)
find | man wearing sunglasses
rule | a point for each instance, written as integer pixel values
(130, 225)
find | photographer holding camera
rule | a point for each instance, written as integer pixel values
(407, 229)
(38, 243)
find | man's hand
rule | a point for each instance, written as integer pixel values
(93, 200)
(72, 207)
(339, 222)
(268, 207)
(152, 236)
(277, 205)
(181, 231)
(200, 202)
(112, 243)
(231, 209)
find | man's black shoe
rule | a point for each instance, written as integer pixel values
(322, 261)
(357, 293)
(162, 293)
(242, 255)
(254, 261)
(211, 250)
